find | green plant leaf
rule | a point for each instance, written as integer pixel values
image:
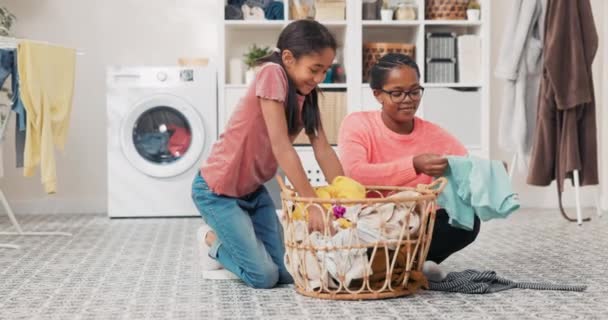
(254, 54)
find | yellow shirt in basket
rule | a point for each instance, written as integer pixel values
(341, 188)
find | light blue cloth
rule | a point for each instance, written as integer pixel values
(476, 187)
(6, 64)
(18, 106)
(9, 66)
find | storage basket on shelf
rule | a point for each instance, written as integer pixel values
(378, 248)
(441, 45)
(446, 9)
(441, 70)
(373, 51)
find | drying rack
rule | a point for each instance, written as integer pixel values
(10, 42)
(7, 42)
(577, 194)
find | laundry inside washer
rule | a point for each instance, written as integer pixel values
(162, 135)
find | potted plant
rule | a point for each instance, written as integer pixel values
(6, 21)
(473, 10)
(386, 13)
(251, 57)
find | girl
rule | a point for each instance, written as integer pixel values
(394, 147)
(245, 235)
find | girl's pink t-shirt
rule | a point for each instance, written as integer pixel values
(242, 159)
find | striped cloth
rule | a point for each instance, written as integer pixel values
(478, 282)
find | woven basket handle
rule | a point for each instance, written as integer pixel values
(437, 186)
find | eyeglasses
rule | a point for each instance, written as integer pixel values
(398, 96)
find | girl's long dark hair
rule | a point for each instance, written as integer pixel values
(301, 37)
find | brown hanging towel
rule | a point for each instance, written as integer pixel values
(565, 137)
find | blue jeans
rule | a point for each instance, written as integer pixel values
(249, 239)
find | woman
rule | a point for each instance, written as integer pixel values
(394, 147)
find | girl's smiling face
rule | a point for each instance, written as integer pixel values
(308, 70)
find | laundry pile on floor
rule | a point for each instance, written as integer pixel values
(480, 282)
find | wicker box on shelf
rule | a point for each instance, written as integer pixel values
(446, 9)
(373, 51)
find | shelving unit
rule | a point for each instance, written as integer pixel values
(442, 101)
(236, 36)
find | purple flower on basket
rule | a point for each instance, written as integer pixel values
(339, 211)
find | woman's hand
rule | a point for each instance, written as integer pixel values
(430, 164)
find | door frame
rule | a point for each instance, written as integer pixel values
(603, 114)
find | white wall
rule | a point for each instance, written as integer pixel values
(129, 32)
(158, 32)
(545, 197)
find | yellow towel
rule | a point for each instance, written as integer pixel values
(47, 86)
(341, 188)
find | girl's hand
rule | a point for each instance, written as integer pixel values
(316, 221)
(430, 164)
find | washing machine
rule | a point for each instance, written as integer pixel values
(162, 122)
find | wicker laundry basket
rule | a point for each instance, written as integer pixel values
(373, 51)
(382, 268)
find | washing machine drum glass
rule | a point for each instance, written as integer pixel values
(162, 135)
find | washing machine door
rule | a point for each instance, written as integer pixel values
(163, 136)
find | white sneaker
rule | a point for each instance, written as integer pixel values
(433, 272)
(207, 262)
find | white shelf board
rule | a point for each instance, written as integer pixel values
(328, 23)
(452, 23)
(440, 85)
(392, 23)
(255, 24)
(451, 85)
